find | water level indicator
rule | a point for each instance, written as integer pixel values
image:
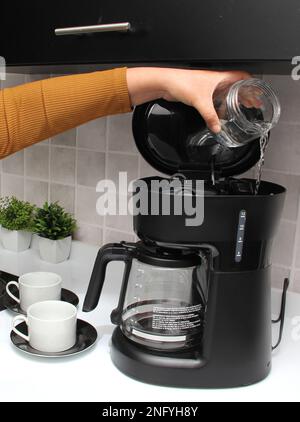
(240, 236)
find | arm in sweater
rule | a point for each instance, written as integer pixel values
(36, 111)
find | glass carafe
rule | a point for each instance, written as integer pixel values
(247, 110)
(163, 294)
(163, 307)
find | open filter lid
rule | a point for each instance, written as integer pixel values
(163, 132)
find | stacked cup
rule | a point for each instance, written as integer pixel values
(51, 322)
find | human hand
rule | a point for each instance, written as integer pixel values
(192, 87)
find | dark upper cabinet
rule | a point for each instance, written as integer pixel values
(263, 34)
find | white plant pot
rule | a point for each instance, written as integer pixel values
(15, 240)
(55, 251)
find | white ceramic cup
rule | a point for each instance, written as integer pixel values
(51, 326)
(36, 287)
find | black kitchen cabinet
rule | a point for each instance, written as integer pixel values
(262, 35)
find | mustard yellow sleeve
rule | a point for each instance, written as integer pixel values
(36, 111)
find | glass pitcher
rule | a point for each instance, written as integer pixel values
(247, 110)
(163, 295)
(163, 307)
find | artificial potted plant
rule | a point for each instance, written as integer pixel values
(55, 228)
(16, 220)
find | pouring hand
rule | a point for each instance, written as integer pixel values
(192, 87)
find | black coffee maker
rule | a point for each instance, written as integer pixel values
(194, 307)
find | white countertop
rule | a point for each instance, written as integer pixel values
(92, 376)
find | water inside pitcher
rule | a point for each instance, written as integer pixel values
(164, 307)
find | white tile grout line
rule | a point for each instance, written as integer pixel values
(114, 229)
(283, 172)
(281, 266)
(106, 173)
(297, 238)
(76, 172)
(119, 231)
(130, 154)
(286, 220)
(136, 239)
(287, 122)
(53, 182)
(41, 179)
(49, 171)
(2, 182)
(139, 166)
(96, 226)
(24, 177)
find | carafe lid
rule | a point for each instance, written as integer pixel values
(163, 132)
(166, 257)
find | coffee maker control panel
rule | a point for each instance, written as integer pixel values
(240, 236)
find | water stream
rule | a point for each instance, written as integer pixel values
(263, 142)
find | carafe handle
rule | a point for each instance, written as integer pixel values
(116, 315)
(108, 253)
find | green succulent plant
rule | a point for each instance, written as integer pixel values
(53, 222)
(16, 214)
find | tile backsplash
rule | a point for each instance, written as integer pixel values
(282, 165)
(67, 168)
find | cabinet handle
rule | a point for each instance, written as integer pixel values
(108, 27)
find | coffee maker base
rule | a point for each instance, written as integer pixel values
(184, 370)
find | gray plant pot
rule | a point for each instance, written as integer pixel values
(15, 240)
(55, 251)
